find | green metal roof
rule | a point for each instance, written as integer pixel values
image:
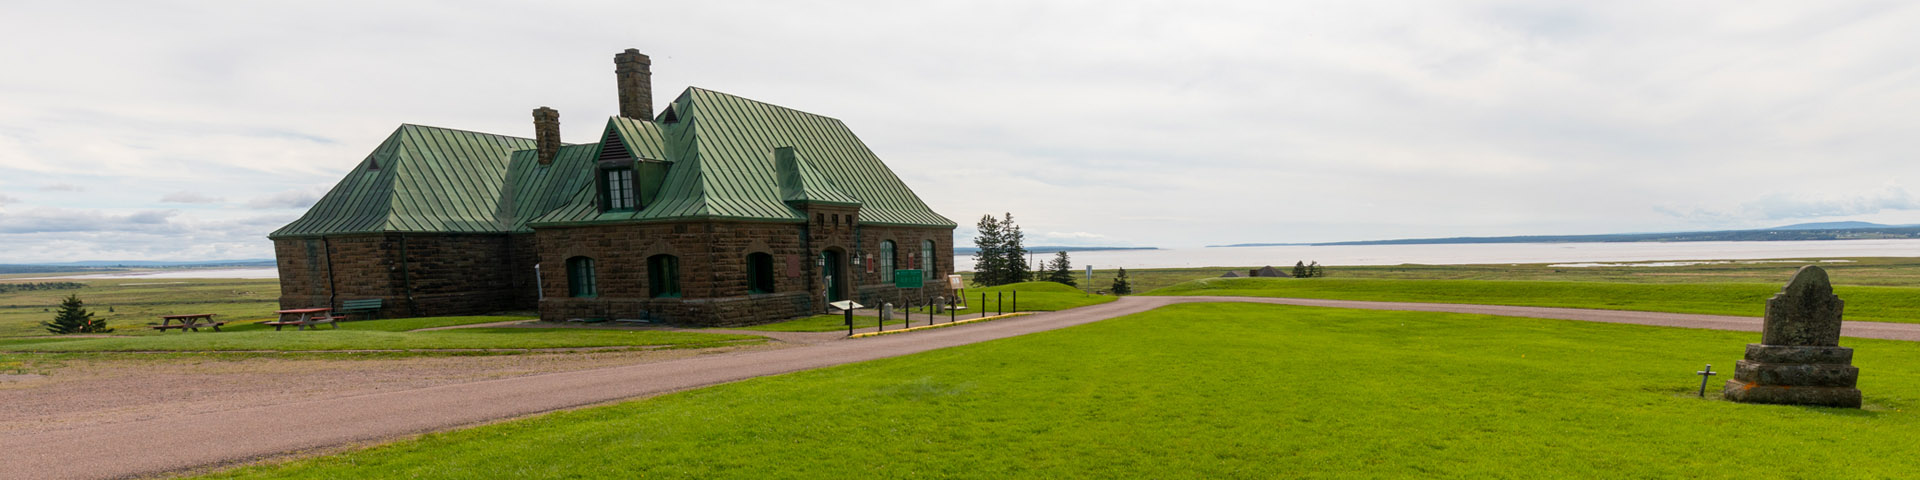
(721, 163)
(421, 179)
(722, 149)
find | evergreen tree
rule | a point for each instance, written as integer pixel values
(1300, 270)
(1061, 270)
(1121, 286)
(1314, 270)
(989, 265)
(73, 317)
(1014, 250)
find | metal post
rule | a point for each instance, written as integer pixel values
(983, 304)
(849, 313)
(999, 300)
(950, 315)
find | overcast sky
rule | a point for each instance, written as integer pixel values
(156, 130)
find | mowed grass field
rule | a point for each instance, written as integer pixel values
(1033, 297)
(138, 302)
(1217, 391)
(1876, 304)
(1869, 271)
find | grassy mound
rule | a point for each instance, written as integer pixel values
(1876, 304)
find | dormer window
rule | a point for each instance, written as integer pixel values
(616, 185)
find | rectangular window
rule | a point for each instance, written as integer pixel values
(618, 183)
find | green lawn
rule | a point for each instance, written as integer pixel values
(1217, 391)
(816, 323)
(1877, 304)
(1034, 297)
(374, 335)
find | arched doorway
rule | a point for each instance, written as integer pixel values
(833, 274)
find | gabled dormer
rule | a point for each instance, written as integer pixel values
(631, 166)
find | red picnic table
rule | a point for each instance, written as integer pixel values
(308, 318)
(191, 321)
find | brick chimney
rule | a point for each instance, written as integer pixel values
(546, 134)
(633, 70)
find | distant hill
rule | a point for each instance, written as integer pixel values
(1800, 232)
(1837, 226)
(1054, 248)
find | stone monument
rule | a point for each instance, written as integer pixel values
(1799, 360)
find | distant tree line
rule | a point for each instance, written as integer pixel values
(1001, 257)
(40, 286)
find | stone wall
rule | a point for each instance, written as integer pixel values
(713, 268)
(414, 275)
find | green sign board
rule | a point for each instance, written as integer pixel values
(906, 278)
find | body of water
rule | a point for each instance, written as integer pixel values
(1481, 253)
(249, 272)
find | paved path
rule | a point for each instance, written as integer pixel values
(153, 446)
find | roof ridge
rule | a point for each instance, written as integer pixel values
(745, 99)
(403, 125)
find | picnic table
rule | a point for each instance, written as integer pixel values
(192, 321)
(309, 317)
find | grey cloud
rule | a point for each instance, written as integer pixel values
(62, 187)
(189, 197)
(55, 220)
(288, 199)
(6, 200)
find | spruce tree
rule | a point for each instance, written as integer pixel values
(1014, 250)
(1061, 270)
(989, 266)
(1122, 286)
(1313, 270)
(73, 317)
(1300, 270)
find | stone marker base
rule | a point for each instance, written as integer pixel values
(1796, 375)
(1842, 397)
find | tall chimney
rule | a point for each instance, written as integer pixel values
(633, 70)
(546, 134)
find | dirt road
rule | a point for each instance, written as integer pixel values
(226, 436)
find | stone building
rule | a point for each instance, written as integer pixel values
(720, 210)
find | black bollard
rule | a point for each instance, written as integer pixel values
(849, 322)
(999, 300)
(950, 315)
(983, 304)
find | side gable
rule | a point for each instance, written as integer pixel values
(428, 180)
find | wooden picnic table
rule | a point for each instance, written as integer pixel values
(308, 318)
(191, 321)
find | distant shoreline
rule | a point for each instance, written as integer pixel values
(1767, 235)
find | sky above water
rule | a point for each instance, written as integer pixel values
(157, 130)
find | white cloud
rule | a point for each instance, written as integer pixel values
(1239, 122)
(189, 197)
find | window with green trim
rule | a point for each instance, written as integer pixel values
(616, 188)
(663, 276)
(888, 258)
(926, 260)
(580, 279)
(759, 273)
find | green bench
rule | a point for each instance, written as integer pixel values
(367, 309)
